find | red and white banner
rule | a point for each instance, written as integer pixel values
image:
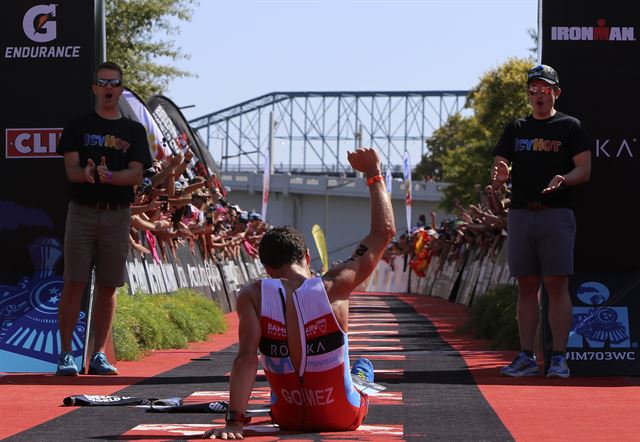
(265, 184)
(406, 170)
(32, 143)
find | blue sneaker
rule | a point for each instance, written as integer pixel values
(66, 365)
(363, 368)
(99, 365)
(558, 368)
(521, 366)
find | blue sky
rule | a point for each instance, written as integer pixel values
(241, 49)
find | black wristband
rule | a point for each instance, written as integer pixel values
(236, 416)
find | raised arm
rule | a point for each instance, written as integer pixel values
(342, 279)
(77, 173)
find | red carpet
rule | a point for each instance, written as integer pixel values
(535, 409)
(27, 400)
(605, 408)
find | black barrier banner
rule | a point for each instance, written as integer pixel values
(47, 57)
(177, 131)
(204, 275)
(469, 276)
(137, 274)
(233, 280)
(166, 271)
(594, 47)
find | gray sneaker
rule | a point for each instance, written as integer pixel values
(558, 368)
(521, 366)
(66, 365)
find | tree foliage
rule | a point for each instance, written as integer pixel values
(501, 96)
(132, 29)
(454, 134)
(460, 152)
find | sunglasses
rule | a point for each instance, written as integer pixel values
(543, 90)
(103, 82)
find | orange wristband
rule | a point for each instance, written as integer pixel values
(374, 179)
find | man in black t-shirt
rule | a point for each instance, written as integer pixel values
(549, 152)
(104, 157)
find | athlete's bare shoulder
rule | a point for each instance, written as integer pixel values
(251, 293)
(336, 281)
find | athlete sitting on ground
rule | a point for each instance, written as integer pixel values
(300, 325)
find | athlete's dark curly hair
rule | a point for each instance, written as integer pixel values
(282, 245)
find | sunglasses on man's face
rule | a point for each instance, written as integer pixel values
(543, 90)
(104, 82)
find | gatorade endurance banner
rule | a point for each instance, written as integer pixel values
(47, 57)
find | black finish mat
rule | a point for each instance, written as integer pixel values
(439, 398)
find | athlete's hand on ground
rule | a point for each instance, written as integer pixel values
(231, 431)
(500, 172)
(365, 160)
(90, 171)
(554, 184)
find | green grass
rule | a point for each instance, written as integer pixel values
(493, 317)
(146, 322)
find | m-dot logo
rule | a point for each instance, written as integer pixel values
(601, 32)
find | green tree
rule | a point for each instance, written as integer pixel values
(464, 168)
(454, 134)
(461, 150)
(132, 29)
(500, 97)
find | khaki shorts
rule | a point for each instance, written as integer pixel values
(99, 237)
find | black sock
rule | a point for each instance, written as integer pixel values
(529, 353)
(557, 353)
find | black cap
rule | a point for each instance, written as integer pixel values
(543, 72)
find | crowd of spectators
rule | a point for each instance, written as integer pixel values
(481, 226)
(179, 202)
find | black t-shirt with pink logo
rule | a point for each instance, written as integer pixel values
(120, 141)
(539, 150)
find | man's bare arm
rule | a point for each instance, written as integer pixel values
(342, 279)
(578, 175)
(130, 176)
(77, 173)
(245, 365)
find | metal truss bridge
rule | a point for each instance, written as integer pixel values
(310, 132)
